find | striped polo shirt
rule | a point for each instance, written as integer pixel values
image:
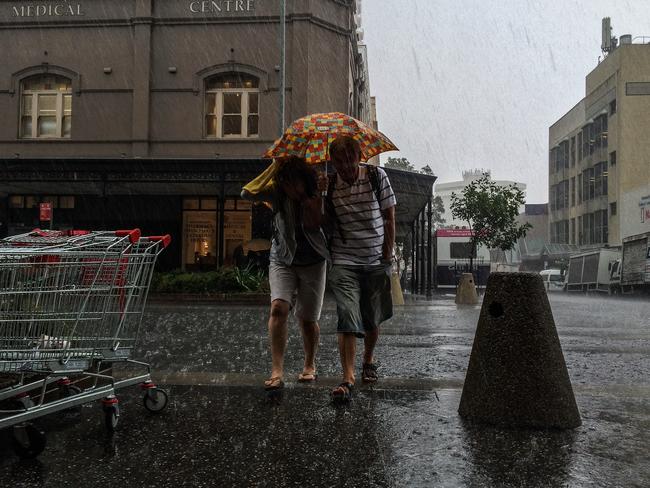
(359, 215)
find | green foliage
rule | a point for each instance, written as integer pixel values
(491, 211)
(223, 280)
(399, 163)
(250, 279)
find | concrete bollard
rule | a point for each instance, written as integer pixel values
(396, 289)
(466, 291)
(517, 376)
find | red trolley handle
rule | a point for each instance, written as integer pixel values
(133, 234)
(166, 240)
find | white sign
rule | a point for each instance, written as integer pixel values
(221, 6)
(47, 10)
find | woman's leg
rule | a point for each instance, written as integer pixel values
(310, 338)
(309, 302)
(283, 284)
(278, 339)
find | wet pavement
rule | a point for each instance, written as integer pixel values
(221, 430)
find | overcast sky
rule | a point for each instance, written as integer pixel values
(464, 84)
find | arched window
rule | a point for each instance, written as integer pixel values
(232, 105)
(45, 107)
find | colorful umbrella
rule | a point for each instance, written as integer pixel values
(310, 137)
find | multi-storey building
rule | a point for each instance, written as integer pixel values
(154, 113)
(599, 164)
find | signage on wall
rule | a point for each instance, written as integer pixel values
(53, 9)
(45, 212)
(644, 205)
(221, 6)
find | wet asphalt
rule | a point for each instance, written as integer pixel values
(221, 430)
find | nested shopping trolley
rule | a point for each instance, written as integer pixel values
(71, 305)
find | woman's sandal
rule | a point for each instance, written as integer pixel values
(307, 377)
(342, 393)
(369, 373)
(274, 383)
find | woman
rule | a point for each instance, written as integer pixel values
(298, 262)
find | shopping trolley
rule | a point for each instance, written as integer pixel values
(71, 304)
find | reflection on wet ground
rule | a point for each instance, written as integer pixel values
(221, 430)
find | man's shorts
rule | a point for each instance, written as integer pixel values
(363, 297)
(300, 286)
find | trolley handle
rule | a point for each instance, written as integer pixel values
(164, 240)
(133, 234)
(59, 233)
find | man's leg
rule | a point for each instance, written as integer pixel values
(278, 339)
(344, 283)
(310, 337)
(347, 350)
(376, 307)
(369, 343)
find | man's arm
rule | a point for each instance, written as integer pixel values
(389, 233)
(312, 213)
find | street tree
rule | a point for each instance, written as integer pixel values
(399, 163)
(491, 212)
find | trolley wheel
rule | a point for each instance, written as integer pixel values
(111, 417)
(68, 391)
(28, 441)
(155, 400)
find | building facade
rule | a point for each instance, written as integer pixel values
(445, 190)
(153, 113)
(599, 155)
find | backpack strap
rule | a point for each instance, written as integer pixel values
(373, 177)
(335, 224)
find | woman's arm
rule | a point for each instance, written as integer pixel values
(266, 195)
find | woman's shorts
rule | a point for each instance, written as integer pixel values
(301, 286)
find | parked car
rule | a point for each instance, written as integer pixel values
(553, 279)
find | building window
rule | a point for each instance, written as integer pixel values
(612, 107)
(612, 209)
(573, 191)
(580, 188)
(573, 151)
(580, 231)
(604, 131)
(45, 107)
(461, 250)
(573, 231)
(16, 201)
(232, 106)
(579, 146)
(612, 158)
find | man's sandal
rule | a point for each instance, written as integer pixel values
(274, 383)
(307, 377)
(369, 373)
(342, 393)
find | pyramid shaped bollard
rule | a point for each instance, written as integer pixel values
(517, 375)
(466, 291)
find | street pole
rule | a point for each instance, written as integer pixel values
(283, 63)
(429, 245)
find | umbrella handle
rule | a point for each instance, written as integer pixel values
(323, 194)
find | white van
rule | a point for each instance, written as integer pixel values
(553, 279)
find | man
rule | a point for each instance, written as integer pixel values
(361, 213)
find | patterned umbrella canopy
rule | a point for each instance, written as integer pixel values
(310, 137)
